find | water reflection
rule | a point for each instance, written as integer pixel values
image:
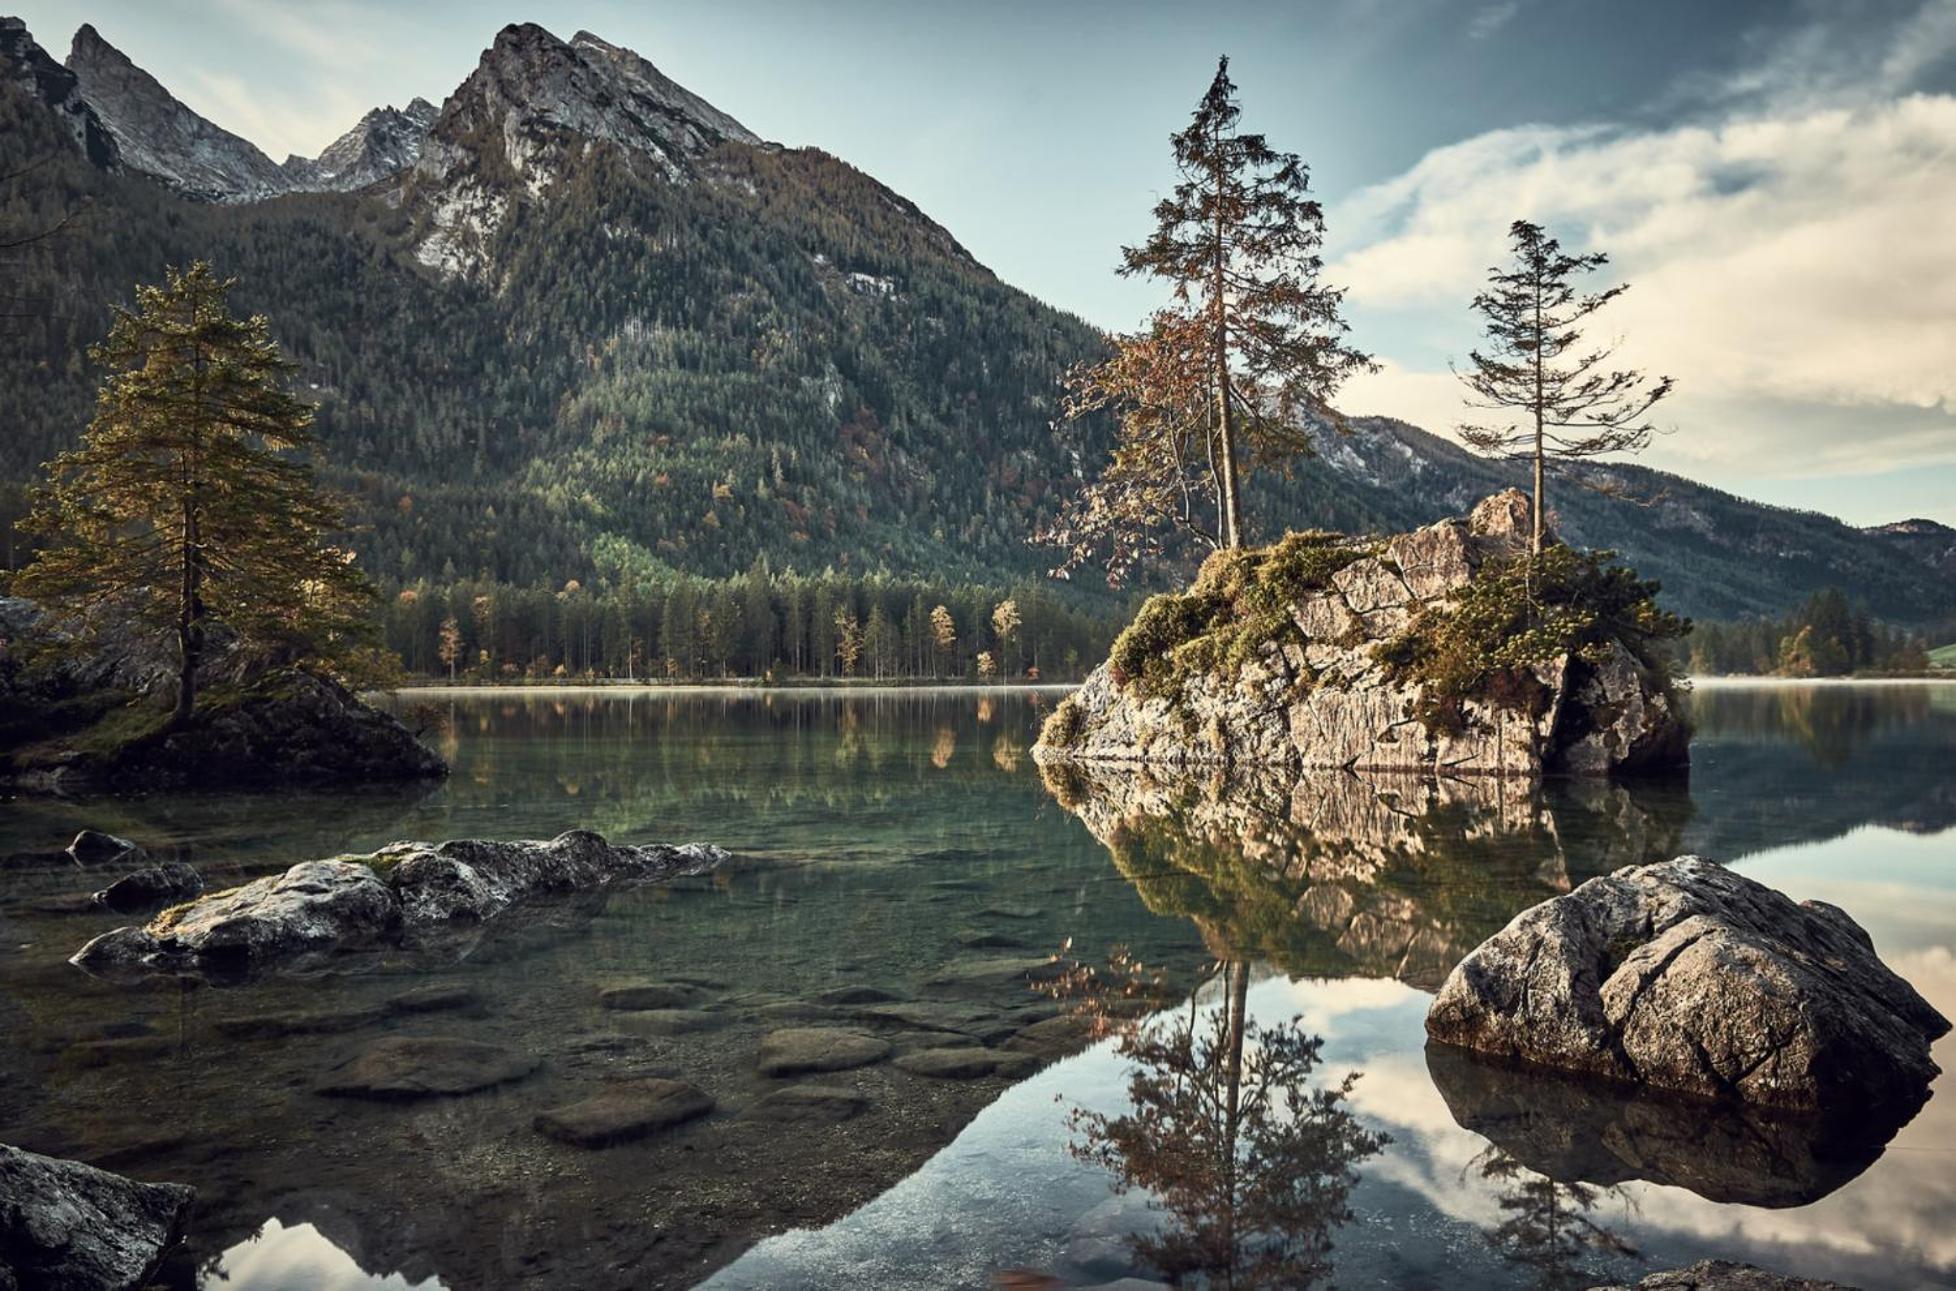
(1251, 1164)
(1549, 1232)
(1342, 873)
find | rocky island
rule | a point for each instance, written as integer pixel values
(79, 712)
(1445, 650)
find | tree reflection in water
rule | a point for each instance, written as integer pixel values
(1250, 1163)
(1548, 1231)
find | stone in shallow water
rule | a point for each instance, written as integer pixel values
(808, 1103)
(1687, 976)
(1053, 1038)
(437, 997)
(67, 1225)
(93, 847)
(151, 887)
(272, 1026)
(994, 973)
(406, 1067)
(795, 1050)
(653, 995)
(949, 1064)
(857, 995)
(1724, 1275)
(628, 1110)
(672, 1021)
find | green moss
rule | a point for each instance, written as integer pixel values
(1520, 613)
(1062, 728)
(1237, 609)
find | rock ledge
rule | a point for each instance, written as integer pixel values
(319, 908)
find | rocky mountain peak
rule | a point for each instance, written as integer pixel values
(532, 101)
(156, 134)
(27, 65)
(385, 142)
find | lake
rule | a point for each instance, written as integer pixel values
(902, 867)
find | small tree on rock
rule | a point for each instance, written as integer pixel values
(1555, 402)
(187, 504)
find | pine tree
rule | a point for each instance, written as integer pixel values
(1562, 404)
(188, 504)
(1239, 239)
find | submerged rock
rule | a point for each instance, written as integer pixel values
(625, 1111)
(411, 1067)
(798, 1050)
(1689, 977)
(322, 908)
(150, 887)
(1323, 696)
(815, 1103)
(65, 1226)
(93, 847)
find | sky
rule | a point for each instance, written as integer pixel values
(1775, 180)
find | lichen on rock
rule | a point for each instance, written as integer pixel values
(1448, 650)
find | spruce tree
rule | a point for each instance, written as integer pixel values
(1559, 403)
(1239, 240)
(189, 502)
(1234, 373)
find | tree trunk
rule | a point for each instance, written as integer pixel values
(1232, 499)
(1535, 540)
(190, 628)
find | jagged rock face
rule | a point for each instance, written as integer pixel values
(159, 136)
(386, 142)
(321, 909)
(502, 134)
(1685, 976)
(1330, 703)
(65, 1226)
(34, 70)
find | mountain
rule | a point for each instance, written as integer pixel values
(583, 324)
(36, 74)
(159, 136)
(1925, 540)
(384, 143)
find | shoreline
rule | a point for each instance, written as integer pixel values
(731, 688)
(1733, 681)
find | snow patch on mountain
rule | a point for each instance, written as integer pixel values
(385, 142)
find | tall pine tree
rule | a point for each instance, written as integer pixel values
(1239, 240)
(188, 503)
(1557, 403)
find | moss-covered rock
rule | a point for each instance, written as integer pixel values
(1445, 649)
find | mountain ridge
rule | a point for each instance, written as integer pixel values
(553, 347)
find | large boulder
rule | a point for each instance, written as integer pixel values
(1326, 696)
(405, 891)
(1688, 977)
(65, 1226)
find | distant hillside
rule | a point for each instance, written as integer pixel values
(583, 324)
(1944, 656)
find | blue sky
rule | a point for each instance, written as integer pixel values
(1774, 178)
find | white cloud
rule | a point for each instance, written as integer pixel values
(1783, 267)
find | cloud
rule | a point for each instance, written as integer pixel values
(1491, 18)
(1792, 272)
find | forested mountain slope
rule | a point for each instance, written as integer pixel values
(594, 329)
